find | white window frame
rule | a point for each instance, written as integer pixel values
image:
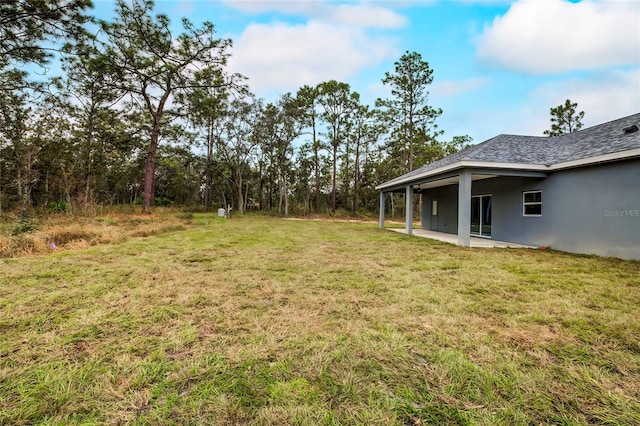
(531, 203)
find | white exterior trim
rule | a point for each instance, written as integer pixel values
(532, 203)
(622, 155)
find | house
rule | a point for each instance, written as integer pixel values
(578, 192)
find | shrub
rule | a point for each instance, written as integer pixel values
(23, 226)
(58, 206)
(162, 201)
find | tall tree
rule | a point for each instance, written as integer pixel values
(38, 150)
(25, 25)
(265, 136)
(287, 129)
(364, 132)
(408, 113)
(337, 102)
(55, 158)
(307, 98)
(142, 58)
(98, 128)
(303, 185)
(32, 30)
(237, 146)
(15, 147)
(206, 105)
(565, 119)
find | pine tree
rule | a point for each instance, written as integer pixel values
(565, 119)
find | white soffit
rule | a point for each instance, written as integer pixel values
(452, 180)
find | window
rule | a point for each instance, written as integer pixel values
(481, 215)
(434, 208)
(532, 203)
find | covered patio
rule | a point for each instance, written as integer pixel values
(462, 176)
(453, 239)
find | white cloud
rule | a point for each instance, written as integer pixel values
(367, 15)
(486, 2)
(283, 57)
(603, 97)
(453, 88)
(554, 36)
(309, 8)
(362, 14)
(335, 42)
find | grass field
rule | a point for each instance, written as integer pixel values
(271, 321)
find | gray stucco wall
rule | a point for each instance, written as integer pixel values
(447, 218)
(592, 210)
(507, 222)
(595, 210)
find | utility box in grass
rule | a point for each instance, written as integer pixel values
(221, 212)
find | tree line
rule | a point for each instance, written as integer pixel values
(144, 116)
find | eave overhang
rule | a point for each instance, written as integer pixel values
(501, 169)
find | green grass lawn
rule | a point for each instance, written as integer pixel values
(271, 321)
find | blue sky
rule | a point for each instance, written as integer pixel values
(498, 65)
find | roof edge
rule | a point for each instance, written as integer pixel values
(606, 158)
(616, 156)
(465, 164)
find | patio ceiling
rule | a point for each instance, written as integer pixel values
(452, 178)
(450, 181)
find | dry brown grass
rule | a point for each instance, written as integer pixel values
(69, 232)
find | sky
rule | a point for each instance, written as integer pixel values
(498, 66)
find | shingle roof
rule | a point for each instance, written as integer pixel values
(603, 139)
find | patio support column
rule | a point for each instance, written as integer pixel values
(382, 198)
(464, 208)
(409, 209)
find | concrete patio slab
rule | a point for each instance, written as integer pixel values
(453, 239)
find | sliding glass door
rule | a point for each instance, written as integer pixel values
(481, 215)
